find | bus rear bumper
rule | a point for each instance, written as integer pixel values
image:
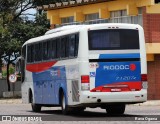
(113, 97)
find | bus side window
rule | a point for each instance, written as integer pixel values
(63, 48)
(49, 46)
(37, 52)
(49, 49)
(76, 45)
(58, 48)
(71, 45)
(54, 49)
(32, 53)
(24, 52)
(67, 46)
(40, 52)
(45, 50)
(29, 54)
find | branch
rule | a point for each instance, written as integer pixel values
(15, 57)
(28, 14)
(24, 8)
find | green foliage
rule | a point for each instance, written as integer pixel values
(4, 74)
(14, 30)
(11, 71)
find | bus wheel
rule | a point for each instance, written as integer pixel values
(115, 109)
(35, 107)
(63, 105)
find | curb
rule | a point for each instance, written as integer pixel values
(10, 101)
(150, 103)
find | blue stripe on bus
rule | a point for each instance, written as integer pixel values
(47, 84)
(113, 56)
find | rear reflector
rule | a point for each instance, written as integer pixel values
(144, 85)
(143, 77)
(85, 79)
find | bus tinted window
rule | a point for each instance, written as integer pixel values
(67, 46)
(45, 50)
(72, 45)
(24, 51)
(28, 53)
(63, 47)
(58, 48)
(38, 54)
(76, 45)
(31, 53)
(53, 51)
(113, 39)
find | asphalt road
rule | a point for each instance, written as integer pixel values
(133, 113)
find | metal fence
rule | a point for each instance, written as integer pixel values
(123, 19)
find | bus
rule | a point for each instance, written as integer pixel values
(79, 66)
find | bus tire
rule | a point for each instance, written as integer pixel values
(35, 107)
(64, 107)
(115, 109)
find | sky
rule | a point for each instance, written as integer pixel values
(31, 11)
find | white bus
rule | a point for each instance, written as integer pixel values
(100, 65)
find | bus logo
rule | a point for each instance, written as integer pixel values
(131, 67)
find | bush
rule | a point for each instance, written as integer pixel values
(11, 71)
(4, 74)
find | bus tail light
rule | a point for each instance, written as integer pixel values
(85, 82)
(143, 77)
(144, 81)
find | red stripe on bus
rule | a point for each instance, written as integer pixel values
(119, 87)
(39, 67)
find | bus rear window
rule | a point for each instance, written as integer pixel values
(113, 39)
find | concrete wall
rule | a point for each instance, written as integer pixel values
(3, 86)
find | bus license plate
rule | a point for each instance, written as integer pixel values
(115, 90)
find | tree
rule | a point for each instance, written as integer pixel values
(15, 30)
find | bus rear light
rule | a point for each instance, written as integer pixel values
(85, 85)
(85, 79)
(144, 81)
(143, 77)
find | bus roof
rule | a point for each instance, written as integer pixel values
(76, 28)
(68, 27)
(55, 33)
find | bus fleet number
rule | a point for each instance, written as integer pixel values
(126, 78)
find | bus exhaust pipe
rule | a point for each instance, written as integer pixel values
(98, 100)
